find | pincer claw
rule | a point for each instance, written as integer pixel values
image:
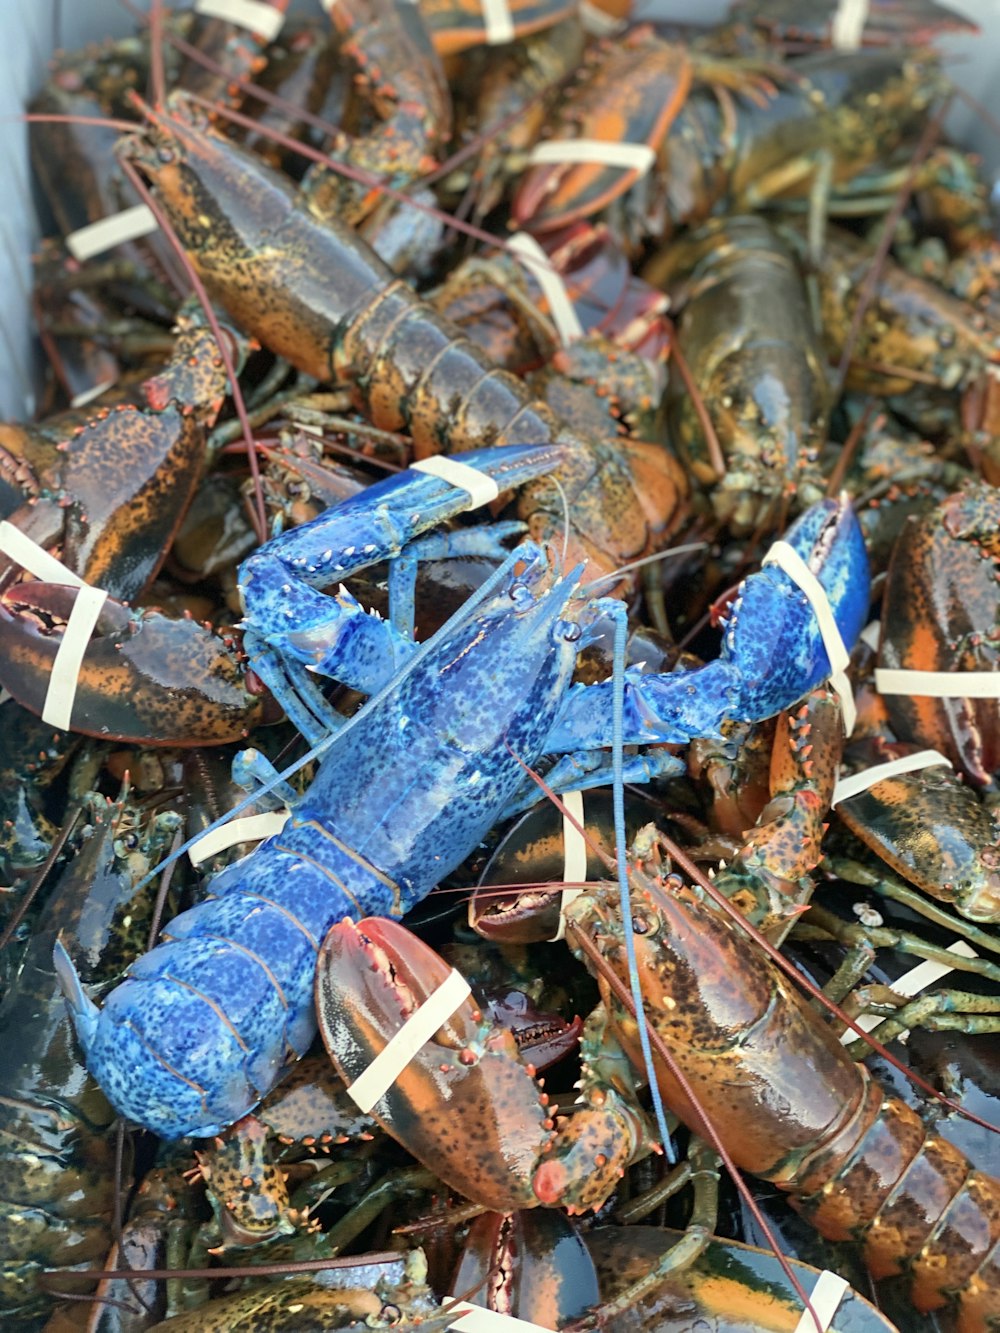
(371, 978)
(144, 677)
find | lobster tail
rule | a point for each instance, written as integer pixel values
(920, 1205)
(202, 1026)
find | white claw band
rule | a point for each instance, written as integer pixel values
(871, 634)
(57, 710)
(910, 984)
(381, 1074)
(34, 558)
(825, 1298)
(938, 684)
(481, 489)
(105, 234)
(261, 19)
(497, 22)
(474, 1319)
(848, 24)
(561, 308)
(574, 856)
(629, 156)
(788, 559)
(892, 768)
(251, 828)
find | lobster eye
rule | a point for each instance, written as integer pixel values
(641, 925)
(166, 155)
(572, 631)
(520, 594)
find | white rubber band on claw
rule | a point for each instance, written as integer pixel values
(481, 489)
(474, 1319)
(34, 558)
(869, 777)
(381, 1074)
(251, 828)
(497, 22)
(629, 156)
(871, 634)
(848, 25)
(788, 559)
(574, 856)
(261, 19)
(909, 985)
(561, 308)
(825, 1298)
(57, 710)
(938, 684)
(106, 233)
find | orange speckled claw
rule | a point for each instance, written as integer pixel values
(144, 677)
(370, 978)
(634, 98)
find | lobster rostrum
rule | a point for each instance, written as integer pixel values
(413, 782)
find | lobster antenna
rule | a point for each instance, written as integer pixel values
(157, 77)
(44, 870)
(291, 1266)
(618, 805)
(653, 559)
(715, 455)
(66, 118)
(319, 749)
(565, 508)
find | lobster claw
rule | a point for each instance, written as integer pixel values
(144, 677)
(940, 613)
(634, 98)
(773, 652)
(370, 978)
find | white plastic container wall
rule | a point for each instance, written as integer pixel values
(33, 29)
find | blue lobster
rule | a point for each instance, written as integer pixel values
(203, 1025)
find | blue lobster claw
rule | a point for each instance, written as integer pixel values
(292, 625)
(772, 653)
